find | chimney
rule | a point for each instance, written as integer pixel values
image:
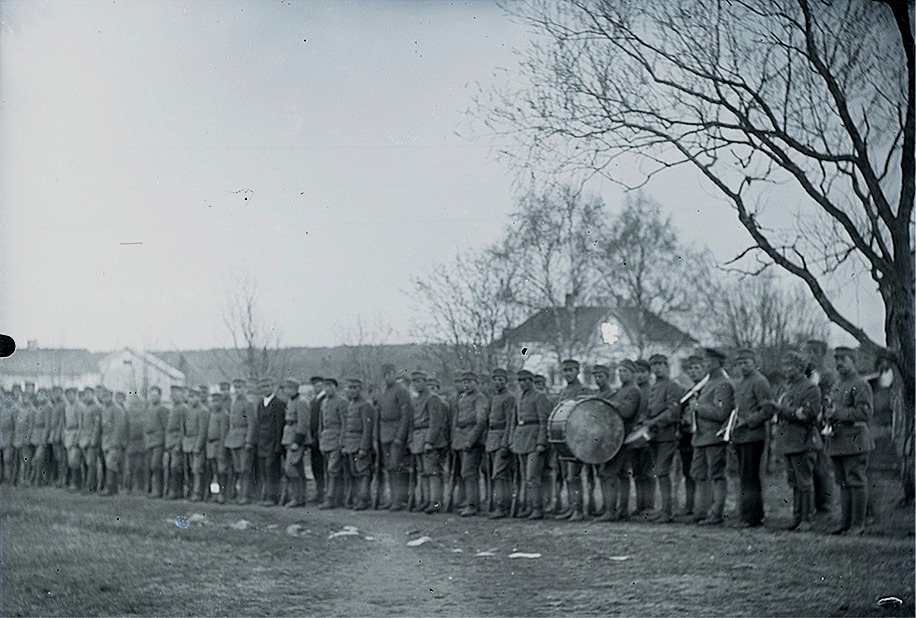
(570, 301)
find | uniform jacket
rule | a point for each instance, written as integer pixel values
(794, 435)
(297, 422)
(315, 412)
(715, 403)
(72, 415)
(626, 402)
(174, 426)
(269, 430)
(136, 436)
(114, 427)
(502, 407)
(242, 424)
(470, 421)
(663, 411)
(91, 426)
(395, 412)
(155, 420)
(57, 422)
(22, 425)
(643, 401)
(853, 411)
(331, 419)
(194, 431)
(754, 398)
(430, 423)
(7, 422)
(528, 422)
(217, 430)
(359, 426)
(41, 423)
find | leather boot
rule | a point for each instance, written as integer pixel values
(806, 510)
(610, 490)
(434, 485)
(623, 497)
(223, 488)
(156, 484)
(111, 483)
(196, 488)
(500, 498)
(330, 496)
(702, 499)
(796, 510)
(858, 505)
(362, 493)
(690, 490)
(398, 491)
(535, 501)
(719, 489)
(92, 478)
(575, 499)
(472, 492)
(244, 487)
(75, 483)
(663, 515)
(845, 511)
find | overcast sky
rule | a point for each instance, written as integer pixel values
(310, 146)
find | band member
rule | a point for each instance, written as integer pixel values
(155, 422)
(602, 376)
(849, 440)
(754, 402)
(173, 460)
(553, 471)
(641, 456)
(114, 439)
(271, 412)
(316, 455)
(358, 440)
(572, 468)
(468, 429)
(528, 441)
(136, 448)
(695, 369)
(815, 352)
(240, 439)
(797, 438)
(429, 439)
(395, 411)
(218, 456)
(90, 438)
(663, 413)
(615, 480)
(712, 409)
(296, 440)
(333, 415)
(502, 406)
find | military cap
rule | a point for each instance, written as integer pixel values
(224, 384)
(69, 389)
(745, 353)
(694, 360)
(203, 388)
(100, 388)
(794, 357)
(844, 351)
(315, 379)
(176, 387)
(604, 369)
(193, 393)
(433, 380)
(216, 395)
(642, 363)
(817, 344)
(388, 368)
(330, 381)
(569, 362)
(627, 364)
(524, 374)
(418, 375)
(715, 353)
(239, 381)
(468, 376)
(291, 382)
(266, 381)
(499, 372)
(540, 378)
(354, 382)
(657, 359)
(88, 389)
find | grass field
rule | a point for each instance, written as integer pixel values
(71, 554)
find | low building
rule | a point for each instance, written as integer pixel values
(49, 367)
(133, 371)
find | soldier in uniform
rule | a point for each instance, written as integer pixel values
(56, 436)
(615, 474)
(395, 412)
(114, 439)
(358, 440)
(7, 429)
(814, 351)
(173, 460)
(193, 442)
(271, 412)
(641, 455)
(316, 454)
(500, 413)
(849, 440)
(797, 438)
(754, 401)
(240, 438)
(429, 439)
(136, 447)
(217, 465)
(297, 440)
(73, 412)
(225, 392)
(90, 438)
(572, 468)
(663, 413)
(155, 421)
(41, 427)
(468, 429)
(695, 369)
(332, 416)
(712, 409)
(528, 441)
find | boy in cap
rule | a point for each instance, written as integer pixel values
(641, 454)
(574, 389)
(41, 426)
(215, 447)
(90, 438)
(468, 429)
(173, 460)
(528, 441)
(499, 414)
(615, 474)
(815, 352)
(395, 410)
(358, 440)
(429, 440)
(297, 439)
(73, 411)
(114, 440)
(333, 415)
(316, 455)
(155, 421)
(663, 413)
(194, 441)
(136, 449)
(240, 438)
(695, 369)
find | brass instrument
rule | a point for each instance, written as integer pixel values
(690, 399)
(728, 428)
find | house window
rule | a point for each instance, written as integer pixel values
(610, 333)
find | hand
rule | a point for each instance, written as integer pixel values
(361, 453)
(294, 447)
(428, 447)
(800, 414)
(541, 448)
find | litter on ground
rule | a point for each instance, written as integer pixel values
(347, 531)
(418, 542)
(521, 554)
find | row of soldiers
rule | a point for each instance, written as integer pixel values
(430, 451)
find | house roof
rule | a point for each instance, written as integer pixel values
(50, 361)
(153, 361)
(586, 322)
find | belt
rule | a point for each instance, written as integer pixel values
(503, 426)
(466, 425)
(422, 427)
(290, 423)
(522, 421)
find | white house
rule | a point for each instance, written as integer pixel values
(49, 367)
(133, 371)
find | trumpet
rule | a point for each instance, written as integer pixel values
(826, 417)
(726, 431)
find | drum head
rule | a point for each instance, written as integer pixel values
(594, 431)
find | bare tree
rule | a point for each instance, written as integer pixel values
(810, 105)
(255, 344)
(367, 349)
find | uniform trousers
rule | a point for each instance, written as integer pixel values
(750, 496)
(500, 466)
(268, 469)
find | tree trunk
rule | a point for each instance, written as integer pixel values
(901, 341)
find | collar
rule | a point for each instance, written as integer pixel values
(268, 399)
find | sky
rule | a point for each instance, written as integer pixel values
(156, 153)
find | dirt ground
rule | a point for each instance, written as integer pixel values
(70, 554)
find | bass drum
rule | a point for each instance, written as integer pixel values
(589, 430)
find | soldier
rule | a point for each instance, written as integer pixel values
(41, 427)
(641, 455)
(500, 413)
(797, 438)
(395, 412)
(754, 401)
(332, 416)
(849, 440)
(90, 438)
(240, 438)
(22, 441)
(136, 446)
(271, 412)
(225, 392)
(814, 351)
(573, 468)
(663, 414)
(73, 412)
(296, 440)
(173, 460)
(114, 439)
(429, 439)
(7, 430)
(712, 409)
(56, 436)
(540, 384)
(468, 428)
(553, 471)
(528, 441)
(215, 448)
(602, 377)
(695, 369)
(358, 440)
(155, 421)
(615, 474)
(193, 442)
(316, 455)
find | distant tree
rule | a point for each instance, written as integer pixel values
(367, 349)
(255, 343)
